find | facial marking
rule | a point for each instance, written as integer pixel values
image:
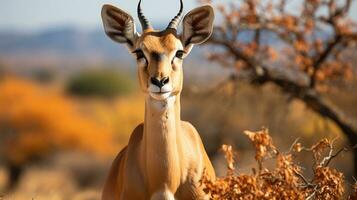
(157, 56)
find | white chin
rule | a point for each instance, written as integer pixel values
(160, 96)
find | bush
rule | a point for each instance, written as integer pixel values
(286, 180)
(100, 83)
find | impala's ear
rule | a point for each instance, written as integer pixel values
(119, 25)
(197, 26)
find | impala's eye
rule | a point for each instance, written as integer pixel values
(179, 54)
(139, 54)
(140, 57)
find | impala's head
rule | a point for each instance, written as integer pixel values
(159, 54)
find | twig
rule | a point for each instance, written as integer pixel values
(327, 158)
(308, 183)
(312, 194)
(293, 144)
(336, 154)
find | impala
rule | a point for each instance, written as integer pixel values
(165, 158)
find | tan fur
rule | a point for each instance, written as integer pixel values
(159, 41)
(165, 157)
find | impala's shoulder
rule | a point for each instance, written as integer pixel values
(189, 129)
(137, 134)
(187, 126)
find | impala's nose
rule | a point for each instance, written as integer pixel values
(159, 83)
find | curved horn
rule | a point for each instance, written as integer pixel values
(145, 24)
(176, 20)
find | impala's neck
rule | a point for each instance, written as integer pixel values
(160, 153)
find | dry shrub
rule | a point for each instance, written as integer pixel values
(286, 180)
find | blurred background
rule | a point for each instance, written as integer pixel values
(69, 97)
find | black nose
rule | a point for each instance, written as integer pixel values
(159, 83)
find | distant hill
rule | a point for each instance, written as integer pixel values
(62, 41)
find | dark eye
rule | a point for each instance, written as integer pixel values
(139, 54)
(179, 54)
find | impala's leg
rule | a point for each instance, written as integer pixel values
(113, 185)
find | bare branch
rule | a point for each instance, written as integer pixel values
(322, 57)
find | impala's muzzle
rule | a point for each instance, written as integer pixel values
(160, 89)
(159, 83)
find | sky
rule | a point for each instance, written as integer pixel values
(41, 14)
(34, 15)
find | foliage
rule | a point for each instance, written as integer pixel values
(35, 122)
(102, 83)
(286, 180)
(312, 41)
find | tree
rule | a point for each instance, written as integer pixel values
(302, 49)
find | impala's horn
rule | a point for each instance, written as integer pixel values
(176, 20)
(145, 24)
